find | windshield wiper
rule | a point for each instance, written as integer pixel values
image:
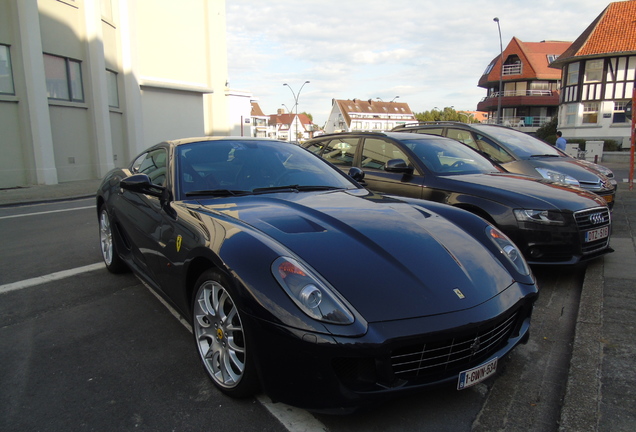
(218, 192)
(294, 188)
(545, 155)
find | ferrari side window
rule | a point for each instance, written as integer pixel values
(153, 164)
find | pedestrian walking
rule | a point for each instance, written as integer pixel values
(560, 142)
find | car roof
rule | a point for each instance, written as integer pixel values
(399, 136)
(182, 141)
(434, 124)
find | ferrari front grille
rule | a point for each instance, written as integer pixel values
(458, 353)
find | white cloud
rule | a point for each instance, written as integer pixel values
(427, 53)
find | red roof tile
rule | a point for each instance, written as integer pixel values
(534, 58)
(613, 31)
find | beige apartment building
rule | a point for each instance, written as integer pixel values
(85, 85)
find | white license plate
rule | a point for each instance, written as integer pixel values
(596, 234)
(476, 375)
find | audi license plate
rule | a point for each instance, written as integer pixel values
(476, 375)
(596, 234)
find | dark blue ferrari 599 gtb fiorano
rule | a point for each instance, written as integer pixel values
(300, 282)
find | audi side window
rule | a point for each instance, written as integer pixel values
(376, 153)
(341, 151)
(493, 150)
(316, 147)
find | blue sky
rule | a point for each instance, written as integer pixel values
(429, 53)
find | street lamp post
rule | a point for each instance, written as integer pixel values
(500, 72)
(296, 97)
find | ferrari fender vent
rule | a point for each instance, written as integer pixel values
(460, 352)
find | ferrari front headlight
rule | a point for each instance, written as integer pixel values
(508, 249)
(309, 293)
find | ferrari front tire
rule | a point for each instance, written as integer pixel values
(219, 334)
(113, 262)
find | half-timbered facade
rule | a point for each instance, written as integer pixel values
(598, 76)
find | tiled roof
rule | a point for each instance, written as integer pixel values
(534, 58)
(371, 107)
(287, 119)
(256, 110)
(612, 32)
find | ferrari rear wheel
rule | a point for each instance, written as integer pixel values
(219, 335)
(113, 262)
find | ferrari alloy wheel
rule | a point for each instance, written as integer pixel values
(220, 337)
(113, 262)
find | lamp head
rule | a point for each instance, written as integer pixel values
(495, 19)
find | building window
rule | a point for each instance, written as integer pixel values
(571, 112)
(552, 57)
(619, 112)
(63, 78)
(113, 93)
(593, 71)
(590, 112)
(6, 73)
(573, 74)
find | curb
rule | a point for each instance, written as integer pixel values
(581, 410)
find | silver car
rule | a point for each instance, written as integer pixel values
(520, 153)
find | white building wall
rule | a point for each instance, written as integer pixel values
(171, 64)
(239, 108)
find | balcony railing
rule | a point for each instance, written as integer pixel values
(512, 69)
(520, 122)
(509, 93)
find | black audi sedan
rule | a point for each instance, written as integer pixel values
(299, 281)
(551, 223)
(520, 153)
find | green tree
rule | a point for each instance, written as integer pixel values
(548, 131)
(447, 114)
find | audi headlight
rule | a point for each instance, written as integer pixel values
(309, 293)
(540, 216)
(508, 249)
(558, 177)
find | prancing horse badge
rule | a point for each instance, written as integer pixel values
(179, 239)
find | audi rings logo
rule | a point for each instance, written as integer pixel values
(597, 218)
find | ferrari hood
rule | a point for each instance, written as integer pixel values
(527, 192)
(389, 259)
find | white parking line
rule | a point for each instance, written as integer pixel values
(293, 419)
(49, 278)
(46, 212)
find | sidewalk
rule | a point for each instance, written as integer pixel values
(44, 193)
(601, 389)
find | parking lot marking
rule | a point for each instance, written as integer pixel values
(46, 212)
(293, 419)
(49, 278)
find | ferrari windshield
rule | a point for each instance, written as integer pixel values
(448, 157)
(520, 144)
(238, 167)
